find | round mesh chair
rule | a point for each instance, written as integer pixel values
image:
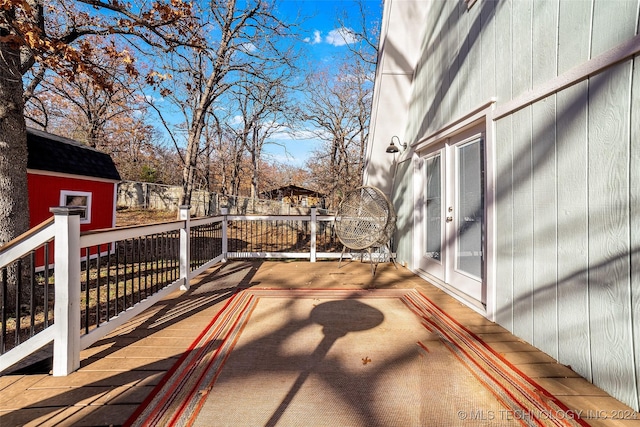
(365, 219)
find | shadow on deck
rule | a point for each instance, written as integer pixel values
(118, 372)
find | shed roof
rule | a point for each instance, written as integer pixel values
(291, 190)
(48, 152)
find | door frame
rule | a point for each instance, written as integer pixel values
(448, 172)
(452, 197)
(480, 118)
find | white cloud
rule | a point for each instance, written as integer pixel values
(317, 38)
(341, 36)
(248, 47)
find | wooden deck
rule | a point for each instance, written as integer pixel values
(118, 372)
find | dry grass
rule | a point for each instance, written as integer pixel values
(125, 217)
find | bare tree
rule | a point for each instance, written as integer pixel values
(366, 34)
(82, 109)
(37, 37)
(249, 40)
(338, 107)
(228, 157)
(262, 105)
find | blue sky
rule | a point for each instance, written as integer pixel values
(323, 40)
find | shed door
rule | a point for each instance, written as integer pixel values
(451, 216)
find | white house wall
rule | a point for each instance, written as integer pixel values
(567, 165)
(396, 66)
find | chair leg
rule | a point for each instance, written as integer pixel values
(373, 268)
(391, 257)
(341, 255)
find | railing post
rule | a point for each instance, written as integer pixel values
(225, 244)
(185, 247)
(314, 228)
(66, 343)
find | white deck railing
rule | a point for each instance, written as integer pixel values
(182, 244)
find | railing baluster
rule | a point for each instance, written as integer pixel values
(98, 303)
(198, 248)
(46, 285)
(87, 295)
(156, 256)
(172, 258)
(146, 266)
(152, 255)
(32, 302)
(133, 273)
(139, 269)
(124, 273)
(170, 265)
(176, 255)
(163, 259)
(18, 299)
(117, 299)
(3, 314)
(252, 233)
(200, 244)
(175, 244)
(108, 290)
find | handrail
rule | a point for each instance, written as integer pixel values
(26, 234)
(26, 242)
(106, 235)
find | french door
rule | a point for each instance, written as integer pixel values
(451, 214)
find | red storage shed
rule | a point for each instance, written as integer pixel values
(63, 172)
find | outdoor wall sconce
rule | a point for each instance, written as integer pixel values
(392, 148)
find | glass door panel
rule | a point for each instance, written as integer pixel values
(470, 210)
(429, 221)
(433, 209)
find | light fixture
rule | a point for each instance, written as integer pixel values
(392, 148)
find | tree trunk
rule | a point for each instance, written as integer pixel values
(191, 160)
(14, 199)
(255, 159)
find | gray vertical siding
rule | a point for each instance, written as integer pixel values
(609, 230)
(543, 155)
(567, 171)
(571, 119)
(635, 217)
(403, 203)
(504, 224)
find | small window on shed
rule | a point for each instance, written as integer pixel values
(77, 199)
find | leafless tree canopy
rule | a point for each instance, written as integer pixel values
(220, 78)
